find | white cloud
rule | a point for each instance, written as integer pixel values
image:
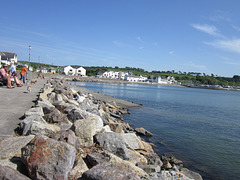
(171, 52)
(209, 29)
(229, 45)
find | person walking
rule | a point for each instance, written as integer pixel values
(22, 73)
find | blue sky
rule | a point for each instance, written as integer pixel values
(186, 35)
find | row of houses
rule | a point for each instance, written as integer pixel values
(128, 76)
(8, 57)
(70, 71)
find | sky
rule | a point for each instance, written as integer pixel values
(182, 35)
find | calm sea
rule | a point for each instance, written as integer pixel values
(199, 126)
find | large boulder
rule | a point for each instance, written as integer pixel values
(47, 158)
(166, 175)
(68, 137)
(110, 171)
(112, 142)
(117, 160)
(84, 130)
(74, 115)
(143, 132)
(94, 159)
(116, 127)
(79, 168)
(37, 127)
(191, 174)
(136, 158)
(53, 115)
(34, 111)
(79, 112)
(64, 107)
(150, 168)
(132, 141)
(44, 103)
(8, 173)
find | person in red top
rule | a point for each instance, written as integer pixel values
(22, 73)
(4, 75)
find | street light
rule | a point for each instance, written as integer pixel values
(29, 54)
(29, 62)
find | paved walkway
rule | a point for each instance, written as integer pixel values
(14, 103)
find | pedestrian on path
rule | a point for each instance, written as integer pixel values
(22, 73)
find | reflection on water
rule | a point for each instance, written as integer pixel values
(199, 126)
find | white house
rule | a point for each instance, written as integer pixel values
(68, 70)
(122, 74)
(169, 80)
(111, 74)
(8, 57)
(80, 71)
(135, 78)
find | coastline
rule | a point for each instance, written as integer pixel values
(118, 81)
(87, 120)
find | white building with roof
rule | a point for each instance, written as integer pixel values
(132, 78)
(8, 57)
(169, 80)
(111, 74)
(69, 70)
(80, 71)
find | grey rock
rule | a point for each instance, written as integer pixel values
(94, 159)
(165, 175)
(110, 171)
(44, 103)
(142, 131)
(112, 142)
(150, 168)
(47, 158)
(84, 130)
(68, 137)
(34, 111)
(38, 128)
(79, 168)
(153, 159)
(132, 141)
(191, 174)
(53, 115)
(74, 115)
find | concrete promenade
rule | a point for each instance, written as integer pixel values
(14, 103)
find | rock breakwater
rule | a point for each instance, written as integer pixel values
(72, 133)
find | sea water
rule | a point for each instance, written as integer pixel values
(201, 127)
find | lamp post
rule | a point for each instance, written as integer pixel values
(29, 62)
(29, 54)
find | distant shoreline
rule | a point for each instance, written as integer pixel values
(118, 81)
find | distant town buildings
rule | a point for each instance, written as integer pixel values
(169, 80)
(8, 57)
(70, 71)
(128, 76)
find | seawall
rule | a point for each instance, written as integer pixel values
(74, 133)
